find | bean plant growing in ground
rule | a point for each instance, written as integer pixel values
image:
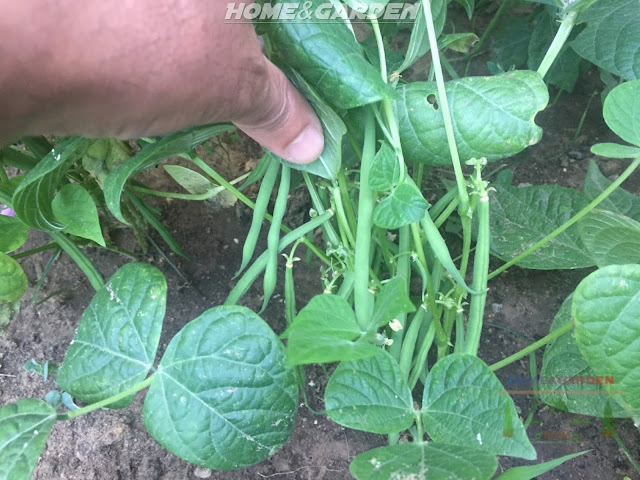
(224, 394)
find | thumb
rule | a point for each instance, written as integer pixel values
(281, 120)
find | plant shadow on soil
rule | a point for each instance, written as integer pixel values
(115, 445)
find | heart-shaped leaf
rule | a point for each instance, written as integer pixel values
(464, 403)
(605, 309)
(619, 201)
(115, 344)
(13, 233)
(74, 208)
(223, 396)
(562, 359)
(13, 281)
(385, 169)
(522, 216)
(24, 429)
(610, 238)
(424, 461)
(493, 117)
(621, 108)
(404, 205)
(370, 394)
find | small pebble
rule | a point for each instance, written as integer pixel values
(202, 472)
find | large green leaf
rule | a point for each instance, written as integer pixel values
(13, 281)
(621, 108)
(370, 394)
(32, 199)
(327, 55)
(74, 208)
(522, 216)
(223, 397)
(510, 43)
(424, 461)
(151, 155)
(610, 238)
(493, 117)
(529, 472)
(13, 233)
(464, 404)
(605, 309)
(115, 343)
(419, 40)
(563, 360)
(403, 206)
(620, 201)
(326, 330)
(612, 37)
(24, 429)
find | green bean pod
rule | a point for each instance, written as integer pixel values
(259, 211)
(273, 238)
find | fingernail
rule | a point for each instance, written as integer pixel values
(307, 146)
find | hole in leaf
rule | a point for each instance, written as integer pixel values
(431, 98)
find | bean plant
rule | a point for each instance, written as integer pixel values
(402, 307)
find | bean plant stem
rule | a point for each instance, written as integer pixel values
(317, 204)
(594, 203)
(363, 299)
(107, 401)
(558, 42)
(533, 347)
(33, 251)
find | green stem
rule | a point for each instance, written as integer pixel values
(421, 358)
(107, 401)
(3, 174)
(78, 256)
(33, 251)
(492, 26)
(594, 203)
(558, 42)
(362, 297)
(317, 204)
(533, 347)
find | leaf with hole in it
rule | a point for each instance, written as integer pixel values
(464, 403)
(621, 109)
(493, 117)
(562, 359)
(615, 150)
(74, 208)
(619, 201)
(529, 472)
(605, 308)
(521, 217)
(151, 155)
(115, 344)
(612, 37)
(419, 41)
(13, 233)
(33, 196)
(24, 429)
(370, 394)
(327, 56)
(424, 461)
(384, 173)
(404, 205)
(223, 397)
(610, 238)
(325, 330)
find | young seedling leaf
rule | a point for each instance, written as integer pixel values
(529, 472)
(459, 42)
(621, 108)
(192, 181)
(612, 37)
(405, 205)
(605, 308)
(370, 394)
(419, 40)
(74, 208)
(325, 330)
(610, 238)
(13, 233)
(620, 201)
(24, 429)
(393, 300)
(615, 150)
(13, 281)
(115, 344)
(32, 199)
(562, 359)
(103, 156)
(424, 461)
(223, 397)
(385, 170)
(493, 117)
(151, 155)
(522, 216)
(464, 403)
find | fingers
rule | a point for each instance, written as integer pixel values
(281, 120)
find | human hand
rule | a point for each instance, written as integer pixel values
(144, 67)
